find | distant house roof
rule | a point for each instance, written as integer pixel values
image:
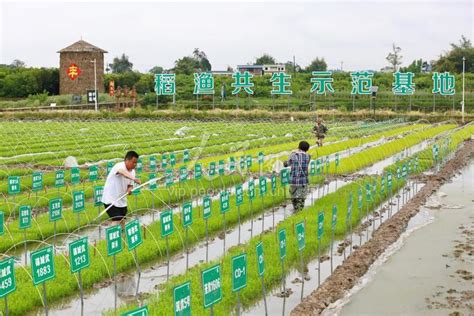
(250, 66)
(81, 46)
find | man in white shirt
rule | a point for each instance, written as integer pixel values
(119, 182)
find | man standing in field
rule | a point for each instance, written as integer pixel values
(320, 131)
(119, 182)
(299, 162)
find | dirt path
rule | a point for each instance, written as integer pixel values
(356, 265)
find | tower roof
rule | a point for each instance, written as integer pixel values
(81, 46)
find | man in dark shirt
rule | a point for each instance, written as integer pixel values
(320, 131)
(298, 163)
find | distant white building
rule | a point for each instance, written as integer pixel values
(259, 70)
(270, 69)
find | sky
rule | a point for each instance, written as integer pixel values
(358, 34)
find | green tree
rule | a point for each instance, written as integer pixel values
(156, 70)
(202, 59)
(121, 65)
(394, 57)
(414, 67)
(186, 65)
(452, 60)
(318, 64)
(265, 59)
(18, 63)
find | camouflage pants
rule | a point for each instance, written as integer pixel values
(298, 196)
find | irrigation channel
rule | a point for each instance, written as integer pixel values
(428, 280)
(153, 275)
(156, 273)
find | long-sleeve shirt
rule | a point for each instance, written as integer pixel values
(299, 163)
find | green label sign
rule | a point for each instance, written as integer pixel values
(55, 209)
(274, 182)
(182, 299)
(42, 265)
(164, 159)
(368, 192)
(187, 214)
(389, 180)
(239, 195)
(37, 181)
(260, 261)
(224, 198)
(133, 233)
(113, 236)
(206, 207)
(211, 285)
(251, 190)
(285, 176)
(153, 185)
(169, 177)
(152, 161)
(318, 166)
(239, 272)
(197, 171)
(186, 156)
(262, 185)
(212, 168)
(282, 243)
(59, 179)
(312, 167)
(25, 216)
(78, 200)
(261, 157)
(79, 254)
(172, 160)
(249, 161)
(320, 225)
(300, 235)
(98, 192)
(183, 174)
(142, 311)
(231, 164)
(93, 173)
(7, 277)
(166, 219)
(221, 167)
(337, 159)
(137, 189)
(242, 163)
(75, 175)
(13, 185)
(139, 167)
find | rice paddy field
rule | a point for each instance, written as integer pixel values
(212, 228)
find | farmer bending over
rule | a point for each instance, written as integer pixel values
(119, 182)
(299, 162)
(320, 131)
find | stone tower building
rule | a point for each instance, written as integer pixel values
(76, 68)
